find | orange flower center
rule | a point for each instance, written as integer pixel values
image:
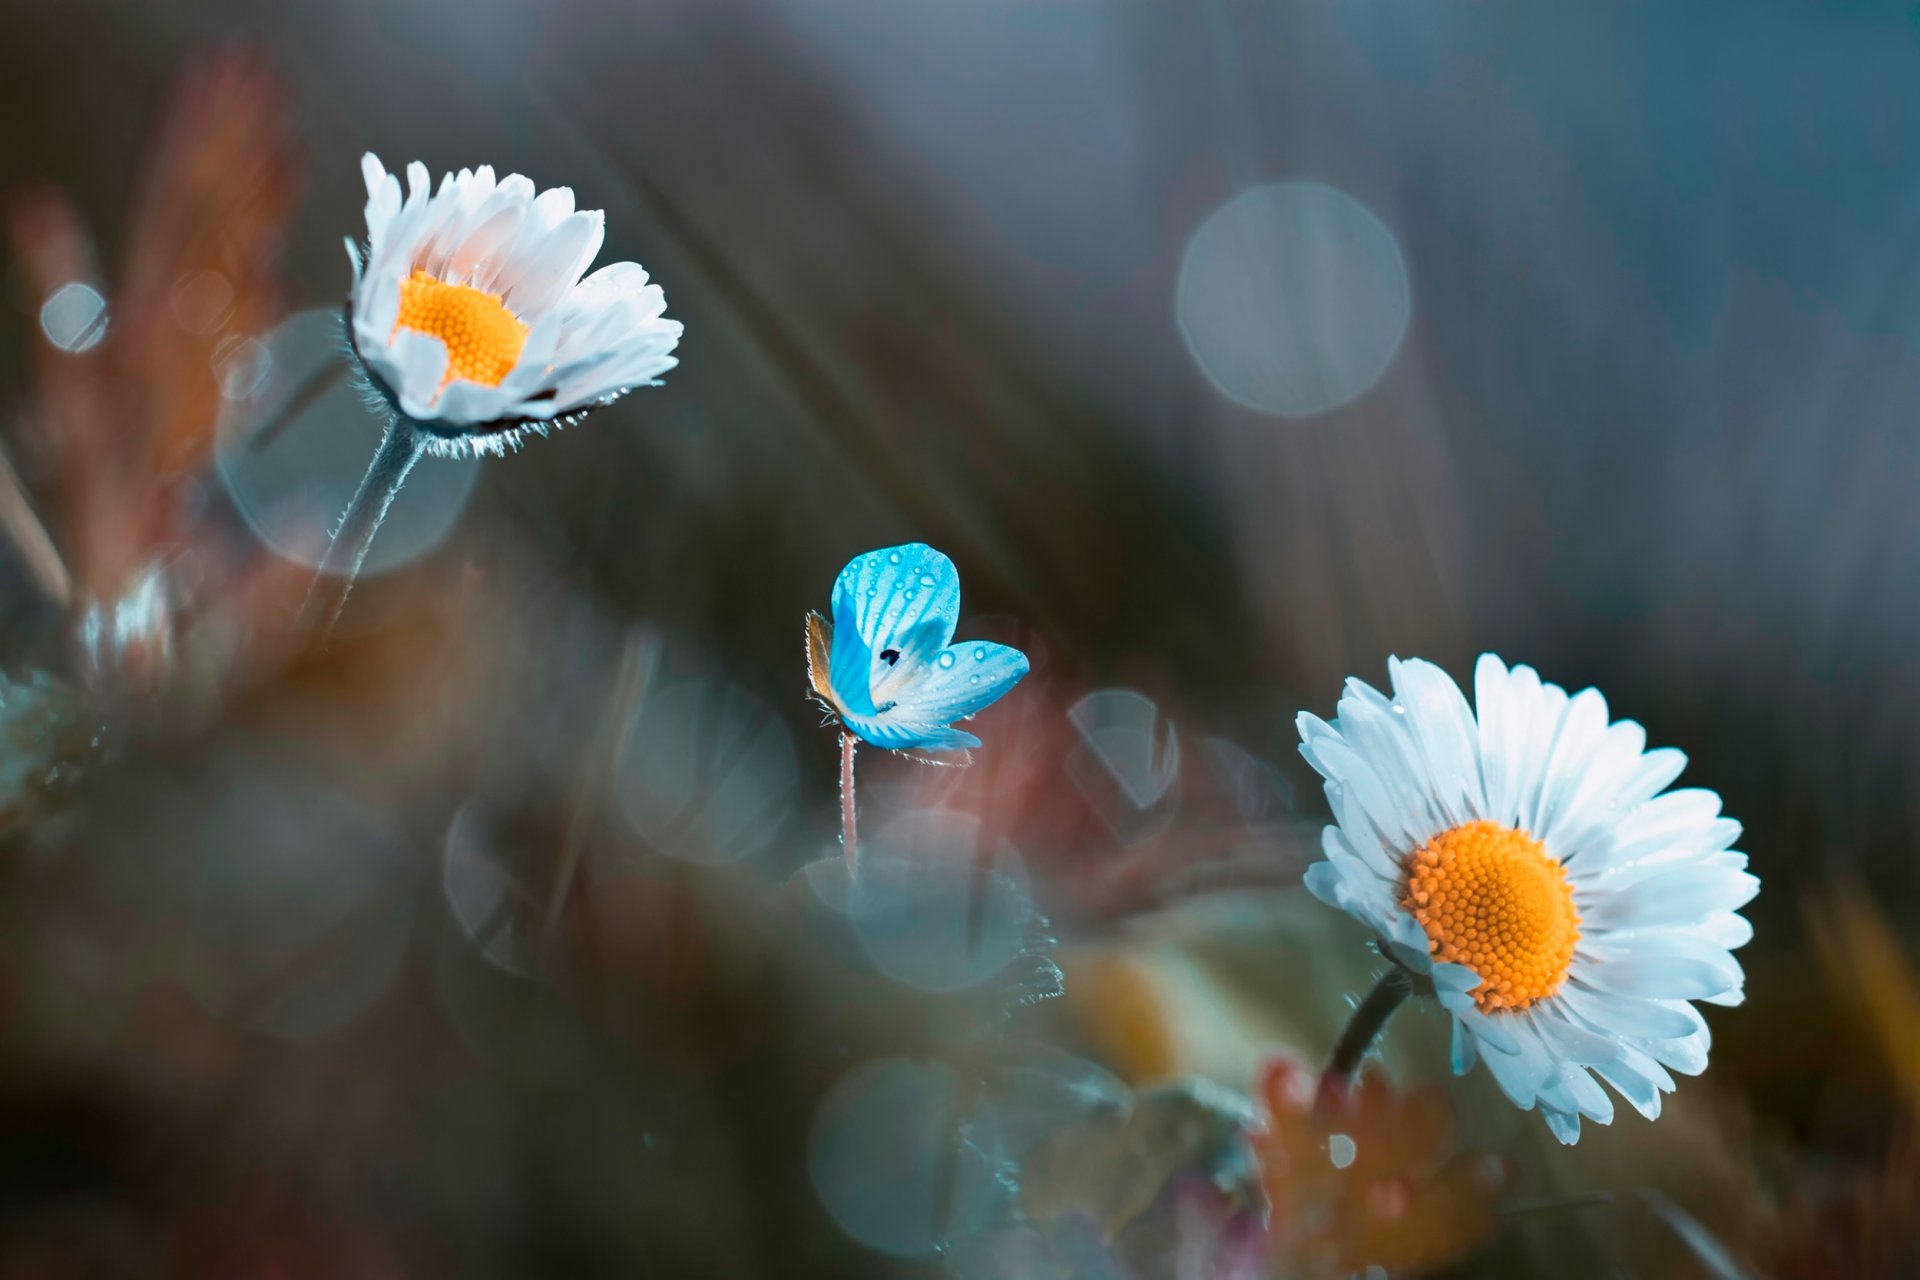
(482, 337)
(1491, 899)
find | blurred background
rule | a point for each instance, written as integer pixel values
(1227, 347)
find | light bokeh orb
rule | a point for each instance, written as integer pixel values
(294, 440)
(707, 773)
(885, 1158)
(302, 905)
(1293, 298)
(936, 907)
(74, 316)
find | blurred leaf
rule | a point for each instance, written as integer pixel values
(1869, 971)
(124, 422)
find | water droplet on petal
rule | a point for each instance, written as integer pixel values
(1399, 710)
(895, 557)
(1341, 1150)
(946, 660)
(980, 655)
(973, 680)
(926, 579)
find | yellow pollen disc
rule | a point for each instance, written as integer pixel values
(483, 338)
(1491, 899)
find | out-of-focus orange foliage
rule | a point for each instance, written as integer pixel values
(1860, 1223)
(119, 426)
(1401, 1196)
(1869, 972)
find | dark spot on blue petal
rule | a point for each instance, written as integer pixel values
(889, 656)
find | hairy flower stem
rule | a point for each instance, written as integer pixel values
(849, 838)
(1362, 1029)
(399, 449)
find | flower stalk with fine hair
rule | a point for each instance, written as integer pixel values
(473, 327)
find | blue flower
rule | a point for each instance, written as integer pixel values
(887, 666)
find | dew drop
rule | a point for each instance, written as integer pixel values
(979, 655)
(895, 557)
(946, 660)
(1399, 710)
(1341, 1150)
(926, 579)
(973, 680)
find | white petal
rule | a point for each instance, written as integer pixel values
(1569, 1041)
(1653, 774)
(1581, 732)
(1579, 1087)
(1625, 1016)
(419, 361)
(1564, 1125)
(1449, 739)
(1384, 737)
(614, 282)
(1683, 896)
(536, 357)
(470, 403)
(383, 197)
(1726, 930)
(422, 361)
(1638, 1079)
(557, 266)
(1590, 807)
(1501, 727)
(1490, 1032)
(1408, 943)
(1543, 706)
(1521, 1074)
(1362, 802)
(1688, 1056)
(1463, 1053)
(1653, 976)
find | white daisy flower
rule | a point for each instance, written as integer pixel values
(470, 316)
(1529, 864)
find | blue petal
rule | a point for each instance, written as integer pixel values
(895, 679)
(959, 682)
(894, 590)
(884, 730)
(848, 665)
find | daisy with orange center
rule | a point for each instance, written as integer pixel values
(1525, 864)
(471, 315)
(472, 322)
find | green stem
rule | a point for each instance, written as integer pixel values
(399, 449)
(1362, 1029)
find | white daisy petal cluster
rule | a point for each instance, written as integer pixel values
(470, 313)
(1530, 862)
